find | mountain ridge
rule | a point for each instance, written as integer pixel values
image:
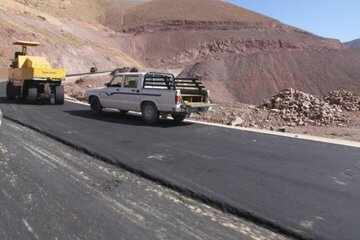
(163, 34)
(353, 44)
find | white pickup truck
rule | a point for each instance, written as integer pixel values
(151, 94)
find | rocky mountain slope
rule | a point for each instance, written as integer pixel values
(249, 78)
(353, 44)
(243, 56)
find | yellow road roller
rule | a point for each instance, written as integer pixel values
(33, 79)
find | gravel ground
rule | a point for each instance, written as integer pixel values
(244, 115)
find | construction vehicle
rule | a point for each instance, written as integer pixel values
(33, 79)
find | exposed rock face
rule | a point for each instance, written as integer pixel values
(180, 43)
(168, 34)
(157, 11)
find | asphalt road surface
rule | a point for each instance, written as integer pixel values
(51, 191)
(303, 187)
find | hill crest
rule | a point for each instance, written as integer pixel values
(353, 44)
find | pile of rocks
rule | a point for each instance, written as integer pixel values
(345, 99)
(298, 109)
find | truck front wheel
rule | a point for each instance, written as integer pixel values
(95, 106)
(32, 95)
(10, 91)
(59, 95)
(150, 114)
(178, 117)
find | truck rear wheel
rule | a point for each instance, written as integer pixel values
(10, 91)
(95, 106)
(150, 114)
(59, 95)
(178, 117)
(32, 95)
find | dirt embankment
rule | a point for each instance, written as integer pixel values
(66, 40)
(181, 43)
(250, 79)
(75, 86)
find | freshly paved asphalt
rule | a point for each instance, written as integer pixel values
(307, 187)
(51, 191)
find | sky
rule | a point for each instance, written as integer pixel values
(338, 19)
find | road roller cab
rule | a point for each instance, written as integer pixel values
(32, 78)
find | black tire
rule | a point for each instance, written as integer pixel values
(95, 106)
(10, 91)
(150, 114)
(123, 111)
(32, 95)
(178, 117)
(24, 91)
(59, 95)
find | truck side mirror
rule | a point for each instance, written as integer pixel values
(107, 84)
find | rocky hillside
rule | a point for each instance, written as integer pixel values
(70, 33)
(175, 34)
(249, 79)
(165, 33)
(353, 44)
(242, 55)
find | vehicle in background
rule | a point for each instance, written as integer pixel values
(152, 94)
(93, 70)
(32, 78)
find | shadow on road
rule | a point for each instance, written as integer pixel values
(4, 100)
(125, 119)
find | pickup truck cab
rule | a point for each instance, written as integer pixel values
(151, 94)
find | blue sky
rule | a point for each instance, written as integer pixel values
(328, 18)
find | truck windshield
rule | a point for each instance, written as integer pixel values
(117, 81)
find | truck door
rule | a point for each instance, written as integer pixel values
(130, 93)
(112, 97)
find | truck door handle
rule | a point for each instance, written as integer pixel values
(137, 90)
(117, 90)
(133, 90)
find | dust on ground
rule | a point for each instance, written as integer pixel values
(244, 115)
